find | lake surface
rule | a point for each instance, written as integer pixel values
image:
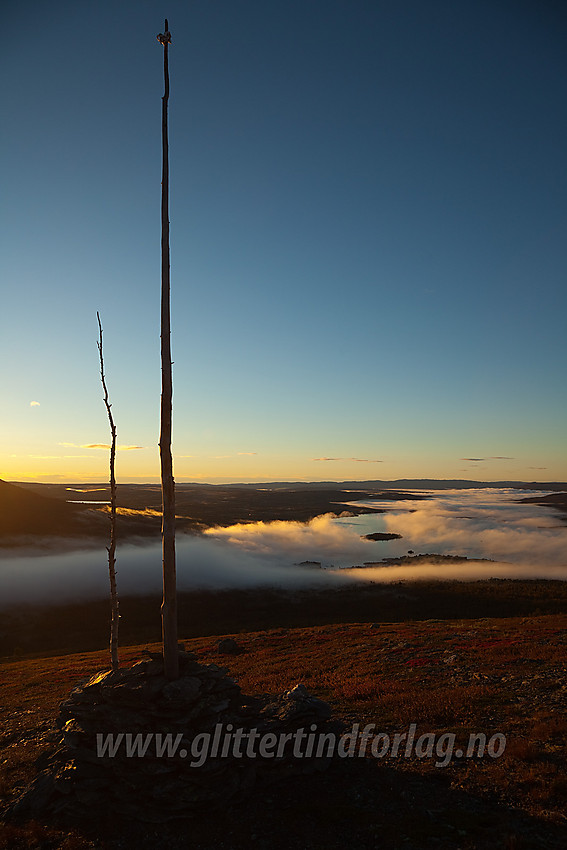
(526, 541)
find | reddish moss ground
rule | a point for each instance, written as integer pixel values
(492, 675)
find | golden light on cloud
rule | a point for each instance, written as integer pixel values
(222, 457)
(148, 512)
(134, 511)
(347, 459)
(482, 459)
(107, 446)
(35, 404)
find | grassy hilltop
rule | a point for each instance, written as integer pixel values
(499, 674)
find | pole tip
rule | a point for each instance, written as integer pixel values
(164, 38)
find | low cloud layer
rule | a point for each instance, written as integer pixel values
(322, 539)
(485, 526)
(526, 541)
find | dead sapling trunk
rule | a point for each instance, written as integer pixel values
(169, 604)
(111, 549)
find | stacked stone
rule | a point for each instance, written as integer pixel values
(78, 779)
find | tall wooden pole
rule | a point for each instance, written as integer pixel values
(169, 604)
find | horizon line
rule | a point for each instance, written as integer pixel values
(215, 482)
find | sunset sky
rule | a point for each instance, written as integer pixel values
(368, 238)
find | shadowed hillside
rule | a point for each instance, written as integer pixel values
(553, 500)
(198, 506)
(23, 512)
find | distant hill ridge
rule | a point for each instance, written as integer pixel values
(371, 484)
(398, 484)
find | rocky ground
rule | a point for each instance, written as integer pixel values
(464, 676)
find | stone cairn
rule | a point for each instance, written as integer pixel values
(76, 781)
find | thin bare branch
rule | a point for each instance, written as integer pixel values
(115, 616)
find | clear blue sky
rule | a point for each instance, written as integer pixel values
(368, 216)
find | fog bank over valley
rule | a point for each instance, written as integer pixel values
(522, 541)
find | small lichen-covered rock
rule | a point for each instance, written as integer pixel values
(228, 646)
(298, 692)
(182, 690)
